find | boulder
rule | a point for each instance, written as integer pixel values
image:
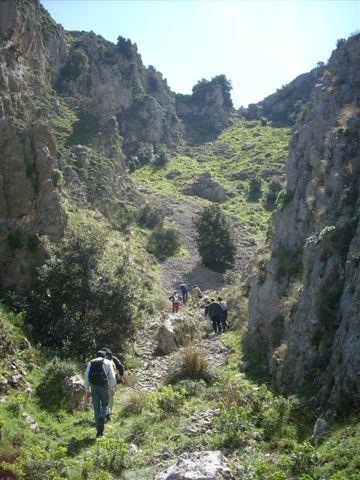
(175, 331)
(198, 466)
(320, 427)
(206, 187)
(74, 391)
(166, 337)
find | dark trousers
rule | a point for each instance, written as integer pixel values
(216, 321)
(184, 294)
(224, 324)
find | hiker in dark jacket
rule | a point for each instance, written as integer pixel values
(119, 372)
(99, 378)
(184, 292)
(214, 311)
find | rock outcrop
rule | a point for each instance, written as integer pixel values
(205, 187)
(284, 105)
(304, 302)
(206, 465)
(208, 110)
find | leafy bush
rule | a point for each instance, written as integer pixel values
(33, 241)
(58, 178)
(76, 66)
(145, 153)
(161, 157)
(254, 188)
(79, 302)
(151, 215)
(163, 242)
(335, 238)
(111, 455)
(272, 193)
(289, 262)
(283, 198)
(215, 239)
(303, 458)
(193, 388)
(39, 463)
(49, 391)
(234, 425)
(15, 240)
(327, 303)
(169, 400)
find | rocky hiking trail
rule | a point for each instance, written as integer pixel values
(156, 366)
(159, 353)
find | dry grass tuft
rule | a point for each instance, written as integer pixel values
(133, 404)
(193, 366)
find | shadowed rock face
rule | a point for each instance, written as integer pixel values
(304, 304)
(29, 199)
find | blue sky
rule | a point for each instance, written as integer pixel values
(259, 45)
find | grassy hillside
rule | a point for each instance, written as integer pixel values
(242, 154)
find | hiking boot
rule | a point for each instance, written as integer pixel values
(100, 430)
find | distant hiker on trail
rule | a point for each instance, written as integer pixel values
(99, 378)
(196, 294)
(214, 311)
(175, 302)
(223, 314)
(184, 292)
(119, 372)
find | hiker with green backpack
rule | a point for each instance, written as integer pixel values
(99, 378)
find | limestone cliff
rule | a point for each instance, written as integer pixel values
(305, 298)
(283, 105)
(207, 111)
(75, 108)
(29, 195)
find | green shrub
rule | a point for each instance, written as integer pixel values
(151, 215)
(284, 197)
(15, 404)
(169, 400)
(272, 193)
(327, 303)
(78, 301)
(111, 455)
(215, 239)
(161, 157)
(33, 241)
(234, 426)
(163, 242)
(254, 188)
(15, 240)
(303, 458)
(193, 388)
(335, 238)
(49, 389)
(289, 262)
(58, 178)
(39, 463)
